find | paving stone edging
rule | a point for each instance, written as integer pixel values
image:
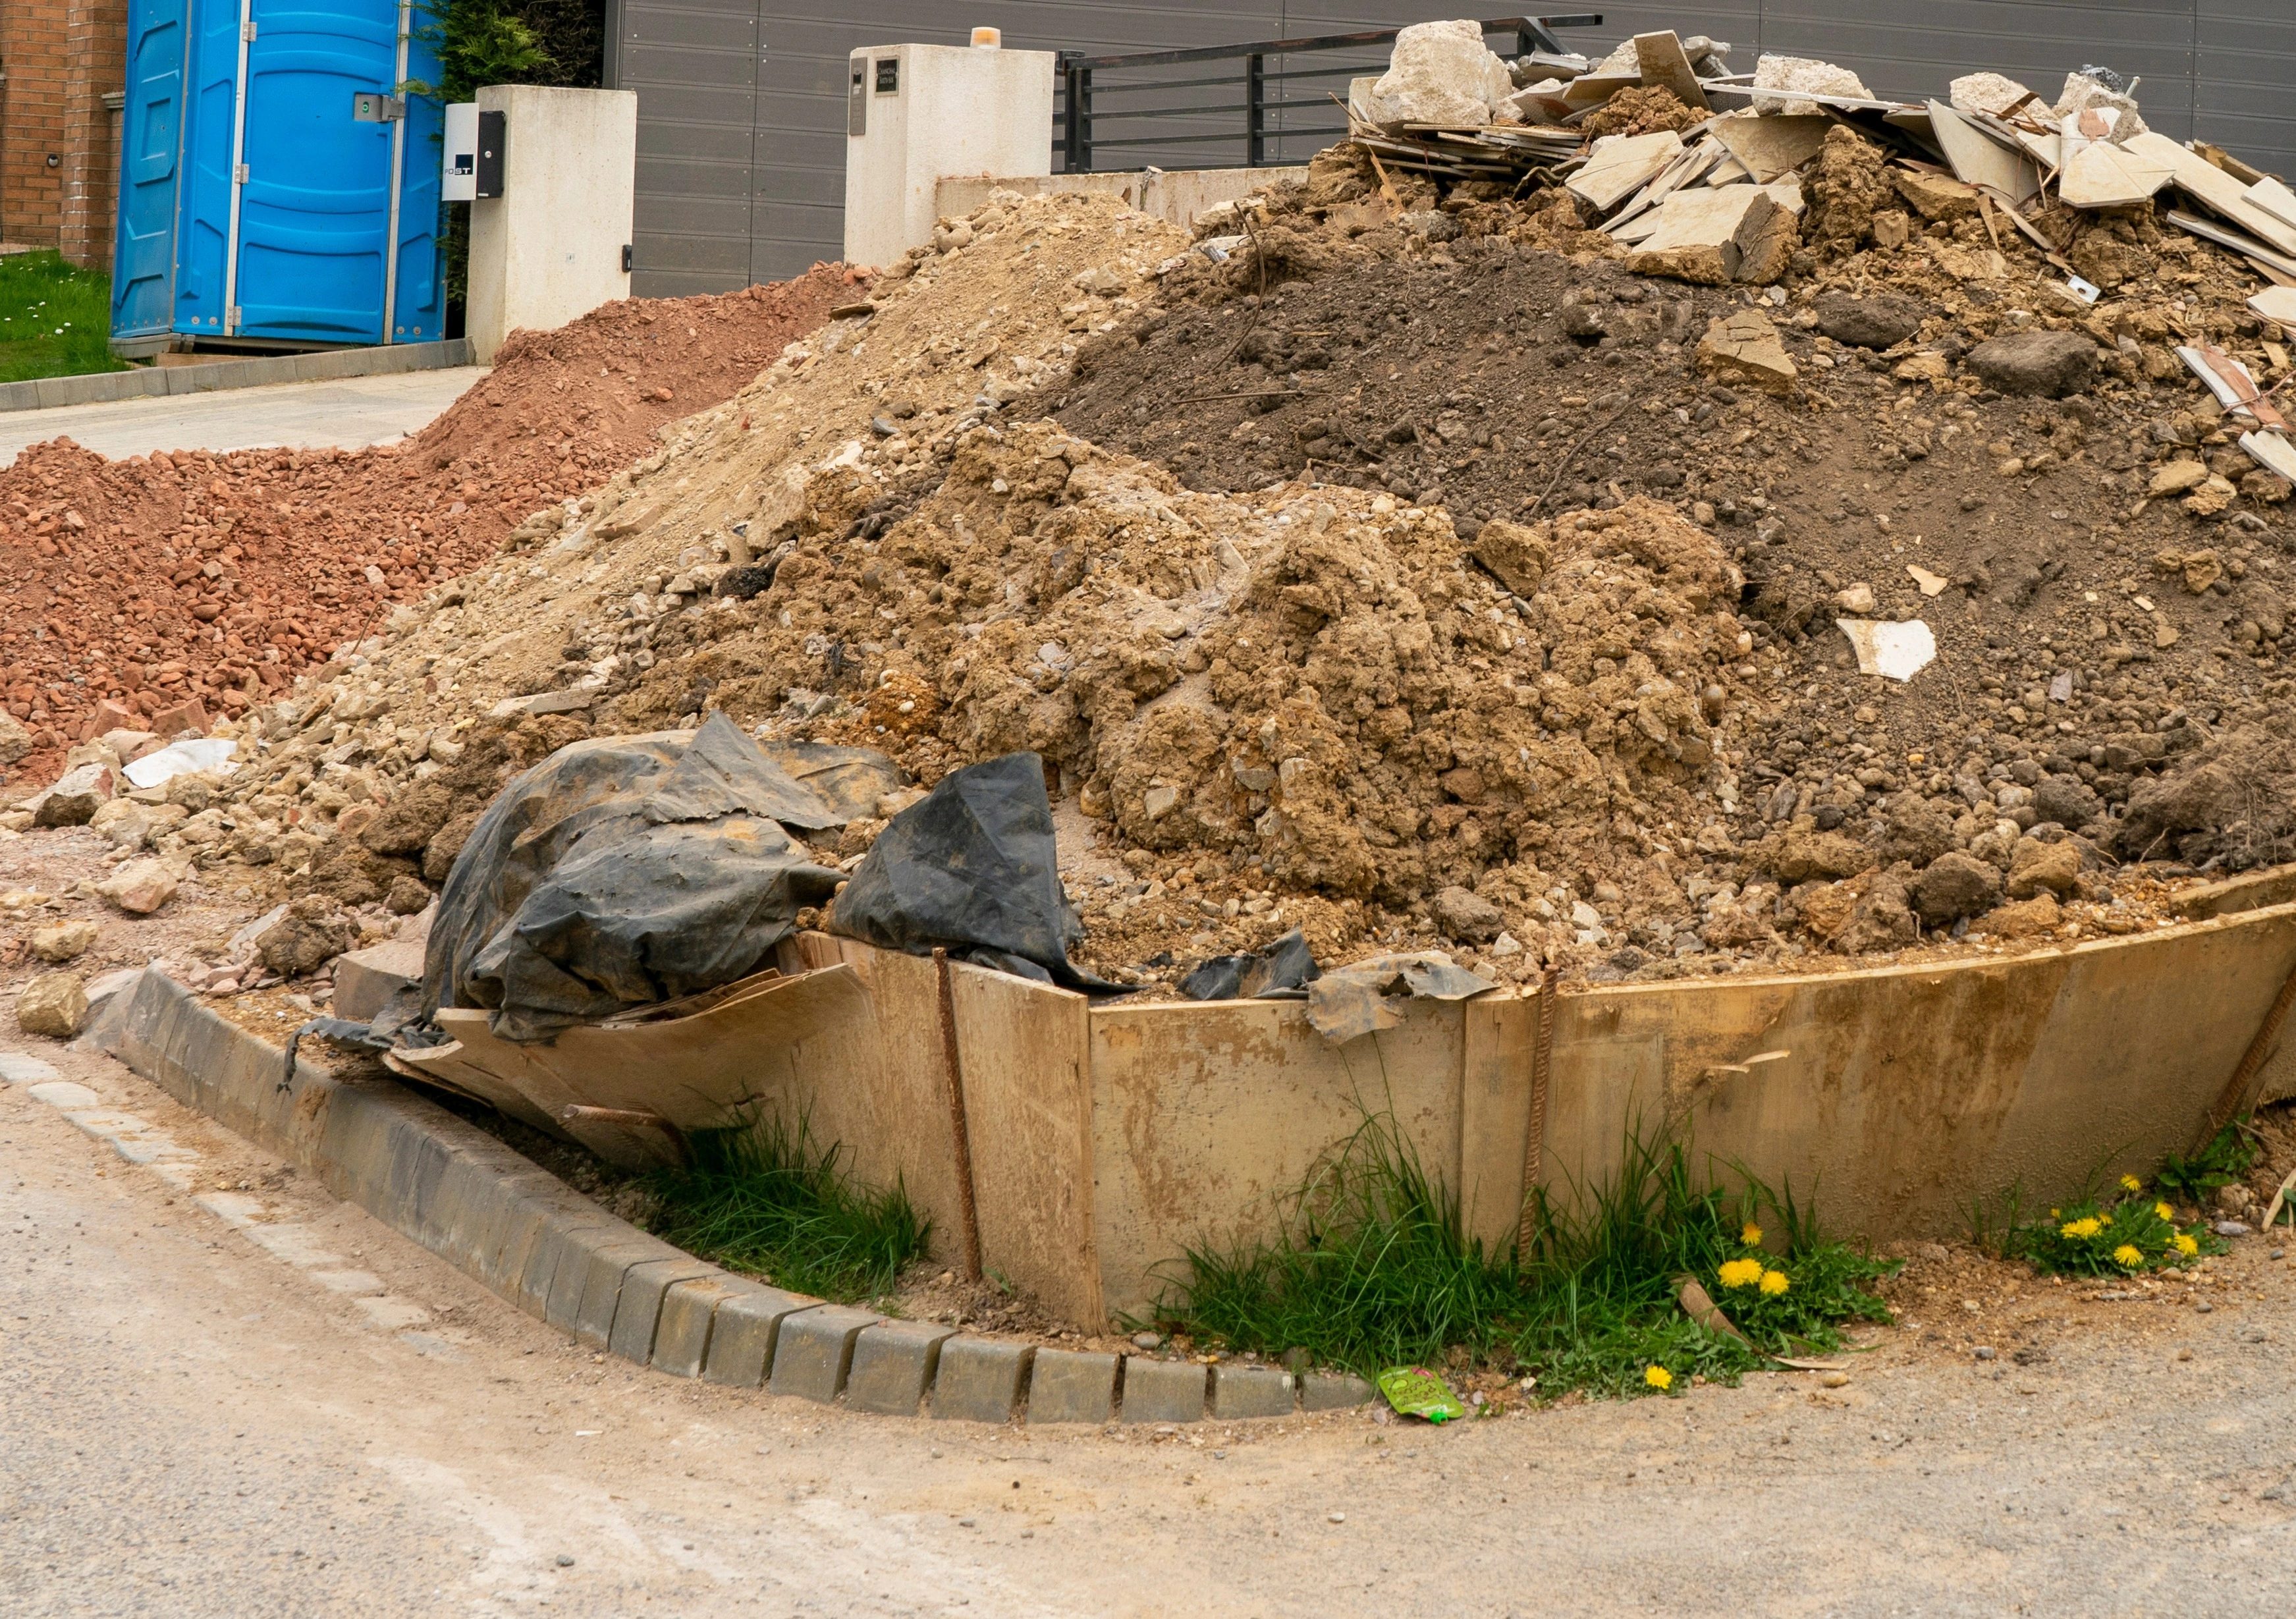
(154, 382)
(522, 1232)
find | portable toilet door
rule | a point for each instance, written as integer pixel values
(143, 244)
(306, 202)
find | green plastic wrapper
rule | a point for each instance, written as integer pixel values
(1413, 1391)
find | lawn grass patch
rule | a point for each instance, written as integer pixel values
(1373, 1267)
(762, 1196)
(55, 320)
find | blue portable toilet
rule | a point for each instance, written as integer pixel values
(278, 188)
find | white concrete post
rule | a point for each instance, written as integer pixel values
(549, 250)
(916, 113)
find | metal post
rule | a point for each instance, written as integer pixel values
(238, 171)
(1080, 119)
(398, 174)
(1255, 103)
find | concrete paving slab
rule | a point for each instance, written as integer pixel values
(979, 1379)
(351, 414)
(893, 1365)
(1067, 1385)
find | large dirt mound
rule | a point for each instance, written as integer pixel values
(224, 576)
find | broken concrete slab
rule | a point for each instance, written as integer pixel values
(1745, 348)
(2203, 180)
(1705, 235)
(365, 980)
(1622, 164)
(2102, 174)
(2271, 452)
(1978, 158)
(2275, 304)
(1935, 196)
(1663, 61)
(1985, 92)
(1808, 75)
(2273, 198)
(1767, 146)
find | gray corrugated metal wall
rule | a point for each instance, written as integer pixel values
(741, 102)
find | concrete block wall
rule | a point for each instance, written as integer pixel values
(59, 61)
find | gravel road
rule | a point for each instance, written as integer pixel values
(191, 1426)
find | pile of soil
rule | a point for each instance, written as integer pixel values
(1442, 594)
(222, 577)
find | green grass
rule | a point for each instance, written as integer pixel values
(1373, 1267)
(761, 1198)
(54, 320)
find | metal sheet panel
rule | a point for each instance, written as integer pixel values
(741, 102)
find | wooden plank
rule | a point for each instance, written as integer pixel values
(1028, 1103)
(2220, 191)
(1497, 1034)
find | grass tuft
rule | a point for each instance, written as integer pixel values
(765, 1198)
(1373, 1267)
(54, 320)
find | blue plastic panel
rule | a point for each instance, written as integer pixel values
(203, 186)
(144, 246)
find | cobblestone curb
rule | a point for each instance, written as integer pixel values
(555, 1253)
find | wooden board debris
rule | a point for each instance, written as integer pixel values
(1769, 147)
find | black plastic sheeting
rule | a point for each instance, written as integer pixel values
(623, 871)
(1282, 970)
(973, 868)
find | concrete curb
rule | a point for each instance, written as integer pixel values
(157, 382)
(526, 1236)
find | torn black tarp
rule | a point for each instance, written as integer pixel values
(623, 871)
(1282, 970)
(972, 866)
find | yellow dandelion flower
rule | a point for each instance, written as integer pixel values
(1741, 1272)
(2164, 1211)
(2187, 1246)
(2128, 1256)
(1750, 1233)
(2053, 1213)
(1659, 1377)
(2130, 1183)
(1775, 1282)
(2076, 1230)
(2104, 1220)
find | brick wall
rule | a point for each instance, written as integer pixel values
(59, 141)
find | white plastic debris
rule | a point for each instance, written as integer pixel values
(1897, 651)
(181, 759)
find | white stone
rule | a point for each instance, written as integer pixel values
(1897, 651)
(1984, 93)
(1441, 73)
(1808, 75)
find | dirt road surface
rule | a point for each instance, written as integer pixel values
(192, 1424)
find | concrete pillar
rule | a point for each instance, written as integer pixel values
(915, 113)
(549, 250)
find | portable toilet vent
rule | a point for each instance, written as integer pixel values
(279, 186)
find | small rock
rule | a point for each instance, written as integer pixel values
(1857, 600)
(2048, 363)
(185, 716)
(140, 887)
(1835, 1380)
(64, 940)
(1745, 348)
(1145, 1340)
(1983, 1351)
(2034, 867)
(75, 797)
(1879, 322)
(1955, 885)
(407, 897)
(308, 935)
(2232, 1227)
(15, 741)
(2177, 477)
(53, 1004)
(1466, 916)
